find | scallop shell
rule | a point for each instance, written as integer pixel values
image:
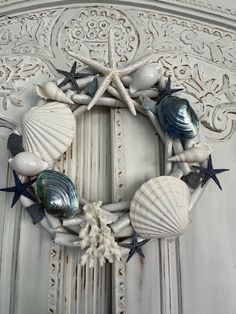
(50, 90)
(57, 193)
(48, 130)
(160, 208)
(27, 164)
(145, 77)
(177, 118)
(198, 153)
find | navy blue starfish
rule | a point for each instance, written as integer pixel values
(20, 189)
(71, 76)
(167, 90)
(135, 246)
(210, 173)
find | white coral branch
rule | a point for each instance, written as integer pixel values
(96, 235)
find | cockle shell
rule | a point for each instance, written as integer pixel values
(177, 118)
(50, 90)
(198, 153)
(48, 130)
(160, 208)
(57, 193)
(145, 77)
(27, 164)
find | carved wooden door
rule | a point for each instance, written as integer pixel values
(115, 153)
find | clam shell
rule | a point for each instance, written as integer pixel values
(57, 193)
(177, 118)
(160, 208)
(48, 130)
(50, 90)
(27, 164)
(145, 77)
(198, 153)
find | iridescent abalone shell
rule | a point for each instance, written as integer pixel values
(177, 118)
(57, 193)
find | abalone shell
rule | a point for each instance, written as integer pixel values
(57, 193)
(177, 118)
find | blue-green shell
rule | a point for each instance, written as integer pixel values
(57, 193)
(177, 118)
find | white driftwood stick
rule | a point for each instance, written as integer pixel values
(149, 92)
(55, 223)
(178, 148)
(72, 221)
(195, 197)
(121, 223)
(168, 154)
(156, 125)
(78, 111)
(178, 173)
(126, 232)
(119, 206)
(65, 239)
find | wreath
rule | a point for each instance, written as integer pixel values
(160, 208)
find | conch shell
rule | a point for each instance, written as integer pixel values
(50, 90)
(198, 153)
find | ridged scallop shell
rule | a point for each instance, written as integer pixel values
(177, 118)
(160, 208)
(145, 77)
(57, 193)
(50, 90)
(198, 153)
(27, 164)
(48, 130)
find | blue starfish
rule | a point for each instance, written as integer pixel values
(167, 90)
(210, 173)
(71, 76)
(135, 246)
(20, 189)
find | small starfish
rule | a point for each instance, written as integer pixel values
(210, 173)
(20, 189)
(71, 76)
(135, 246)
(112, 74)
(167, 90)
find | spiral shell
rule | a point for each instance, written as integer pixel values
(198, 153)
(27, 164)
(177, 118)
(57, 193)
(160, 208)
(48, 130)
(145, 77)
(50, 90)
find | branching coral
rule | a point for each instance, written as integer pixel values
(97, 238)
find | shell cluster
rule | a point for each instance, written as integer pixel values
(160, 208)
(177, 118)
(57, 193)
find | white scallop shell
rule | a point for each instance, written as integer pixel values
(50, 90)
(145, 77)
(48, 130)
(160, 208)
(27, 164)
(198, 153)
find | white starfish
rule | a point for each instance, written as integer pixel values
(112, 73)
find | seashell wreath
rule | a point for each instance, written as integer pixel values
(160, 208)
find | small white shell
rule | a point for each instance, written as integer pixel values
(48, 130)
(145, 77)
(160, 208)
(27, 164)
(50, 90)
(198, 153)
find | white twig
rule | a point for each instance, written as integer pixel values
(121, 223)
(168, 154)
(156, 125)
(120, 206)
(178, 148)
(65, 239)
